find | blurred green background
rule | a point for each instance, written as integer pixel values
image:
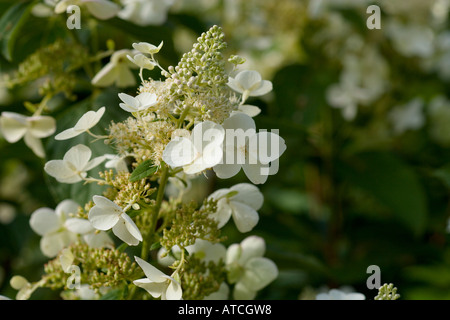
(349, 193)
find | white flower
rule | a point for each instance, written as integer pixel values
(248, 109)
(411, 39)
(74, 165)
(240, 202)
(105, 215)
(202, 150)
(407, 117)
(141, 102)
(248, 269)
(92, 237)
(336, 294)
(142, 61)
(50, 224)
(147, 48)
(157, 283)
(116, 71)
(15, 126)
(101, 9)
(250, 84)
(66, 260)
(246, 149)
(86, 122)
(145, 12)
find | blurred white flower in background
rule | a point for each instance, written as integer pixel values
(101, 9)
(116, 71)
(439, 119)
(145, 12)
(15, 126)
(50, 225)
(407, 117)
(338, 294)
(248, 269)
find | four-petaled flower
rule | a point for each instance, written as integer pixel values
(157, 283)
(86, 122)
(141, 102)
(15, 126)
(246, 149)
(74, 165)
(250, 84)
(50, 224)
(240, 202)
(106, 214)
(248, 269)
(200, 151)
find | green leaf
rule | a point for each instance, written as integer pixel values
(393, 183)
(115, 294)
(10, 24)
(144, 170)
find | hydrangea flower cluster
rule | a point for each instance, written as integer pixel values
(194, 121)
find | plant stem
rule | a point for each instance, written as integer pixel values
(159, 198)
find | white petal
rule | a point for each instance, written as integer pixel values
(154, 288)
(98, 240)
(259, 272)
(223, 213)
(44, 220)
(65, 208)
(152, 273)
(221, 294)
(106, 76)
(34, 144)
(66, 259)
(179, 152)
(130, 103)
(241, 292)
(102, 9)
(248, 78)
(253, 173)
(68, 134)
(248, 194)
(239, 121)
(235, 85)
(226, 171)
(252, 247)
(13, 126)
(208, 251)
(89, 119)
(79, 226)
(52, 243)
(234, 252)
(121, 231)
(78, 156)
(250, 110)
(94, 162)
(266, 147)
(125, 78)
(174, 291)
(61, 172)
(131, 227)
(105, 214)
(41, 126)
(146, 100)
(206, 133)
(244, 216)
(264, 87)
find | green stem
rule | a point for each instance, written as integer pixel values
(159, 199)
